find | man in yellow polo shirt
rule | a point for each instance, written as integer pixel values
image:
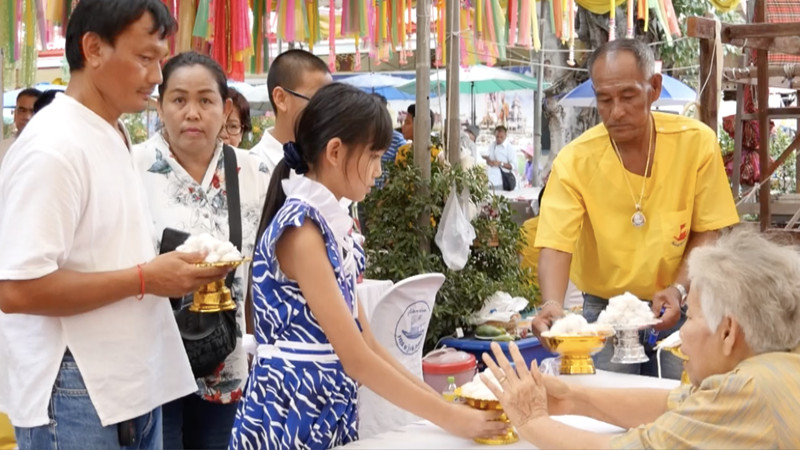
(6, 434)
(628, 200)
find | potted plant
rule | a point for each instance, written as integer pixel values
(400, 245)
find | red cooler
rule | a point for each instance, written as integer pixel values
(447, 362)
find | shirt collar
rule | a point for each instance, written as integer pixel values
(211, 170)
(322, 199)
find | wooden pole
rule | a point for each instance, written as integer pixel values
(452, 44)
(709, 97)
(2, 69)
(797, 159)
(762, 63)
(422, 121)
(538, 99)
(738, 139)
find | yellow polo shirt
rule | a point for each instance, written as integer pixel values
(756, 405)
(587, 207)
(6, 434)
(528, 252)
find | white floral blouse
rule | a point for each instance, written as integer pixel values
(177, 201)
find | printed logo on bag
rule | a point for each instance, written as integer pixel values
(409, 333)
(680, 238)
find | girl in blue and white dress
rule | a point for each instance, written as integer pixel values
(313, 350)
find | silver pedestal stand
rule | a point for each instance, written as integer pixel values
(628, 348)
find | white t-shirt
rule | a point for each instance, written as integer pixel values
(504, 153)
(269, 151)
(70, 199)
(177, 201)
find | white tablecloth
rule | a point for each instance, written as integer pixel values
(426, 435)
(370, 292)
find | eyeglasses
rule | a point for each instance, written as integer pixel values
(233, 128)
(297, 94)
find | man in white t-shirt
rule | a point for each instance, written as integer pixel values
(23, 111)
(293, 78)
(89, 348)
(502, 157)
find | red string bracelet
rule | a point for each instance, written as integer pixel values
(141, 282)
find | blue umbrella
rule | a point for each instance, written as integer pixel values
(673, 92)
(386, 85)
(10, 97)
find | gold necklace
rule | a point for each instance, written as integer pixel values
(638, 218)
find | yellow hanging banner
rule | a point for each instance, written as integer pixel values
(599, 6)
(724, 5)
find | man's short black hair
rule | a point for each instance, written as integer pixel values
(501, 128)
(640, 51)
(108, 19)
(412, 109)
(287, 70)
(45, 99)
(29, 92)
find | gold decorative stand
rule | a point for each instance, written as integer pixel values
(576, 351)
(215, 296)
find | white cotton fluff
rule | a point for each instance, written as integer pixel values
(476, 389)
(571, 324)
(216, 249)
(626, 310)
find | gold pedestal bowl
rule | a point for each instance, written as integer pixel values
(576, 350)
(511, 435)
(215, 296)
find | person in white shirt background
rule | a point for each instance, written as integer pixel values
(89, 348)
(501, 156)
(183, 169)
(23, 111)
(293, 78)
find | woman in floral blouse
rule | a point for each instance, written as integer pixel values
(183, 171)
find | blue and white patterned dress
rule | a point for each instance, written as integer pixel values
(298, 395)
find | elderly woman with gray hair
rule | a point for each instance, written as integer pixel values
(741, 338)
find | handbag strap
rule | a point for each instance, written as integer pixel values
(234, 207)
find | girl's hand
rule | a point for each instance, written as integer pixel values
(523, 393)
(473, 423)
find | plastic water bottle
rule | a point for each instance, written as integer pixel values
(449, 393)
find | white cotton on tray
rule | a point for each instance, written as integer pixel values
(217, 250)
(576, 325)
(477, 390)
(626, 310)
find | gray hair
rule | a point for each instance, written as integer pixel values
(754, 281)
(641, 51)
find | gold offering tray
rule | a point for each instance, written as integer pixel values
(576, 350)
(510, 437)
(232, 264)
(215, 296)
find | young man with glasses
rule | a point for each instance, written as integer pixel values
(23, 111)
(293, 78)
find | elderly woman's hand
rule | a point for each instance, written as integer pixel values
(523, 395)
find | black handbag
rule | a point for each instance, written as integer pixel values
(210, 337)
(509, 180)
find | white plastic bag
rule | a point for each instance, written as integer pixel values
(455, 234)
(499, 307)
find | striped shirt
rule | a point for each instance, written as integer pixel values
(389, 155)
(756, 405)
